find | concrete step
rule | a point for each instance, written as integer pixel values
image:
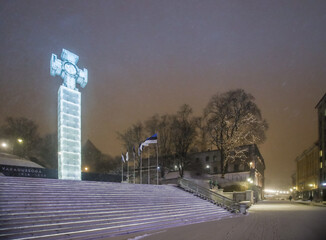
(15, 228)
(118, 224)
(78, 209)
(21, 220)
(67, 209)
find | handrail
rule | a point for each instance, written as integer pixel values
(208, 194)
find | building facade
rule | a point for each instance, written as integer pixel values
(250, 168)
(307, 175)
(321, 111)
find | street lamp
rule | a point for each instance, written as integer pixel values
(86, 169)
(19, 140)
(4, 145)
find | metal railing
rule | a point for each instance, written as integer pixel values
(208, 194)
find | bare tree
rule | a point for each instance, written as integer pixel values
(164, 142)
(232, 120)
(24, 130)
(183, 135)
(131, 138)
(48, 150)
(152, 124)
(201, 142)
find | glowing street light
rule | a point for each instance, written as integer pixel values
(4, 145)
(207, 166)
(86, 169)
(19, 140)
(250, 180)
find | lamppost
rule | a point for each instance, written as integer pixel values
(4, 145)
(19, 147)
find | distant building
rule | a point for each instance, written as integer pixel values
(307, 175)
(321, 110)
(241, 170)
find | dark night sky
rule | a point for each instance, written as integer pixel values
(147, 57)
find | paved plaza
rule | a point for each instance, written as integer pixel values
(270, 220)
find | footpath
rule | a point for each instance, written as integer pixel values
(311, 203)
(266, 220)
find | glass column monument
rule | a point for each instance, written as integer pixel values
(69, 113)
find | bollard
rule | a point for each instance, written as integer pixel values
(243, 208)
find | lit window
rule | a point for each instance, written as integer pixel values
(321, 153)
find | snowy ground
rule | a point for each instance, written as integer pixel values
(266, 220)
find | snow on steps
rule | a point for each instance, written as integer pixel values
(35, 208)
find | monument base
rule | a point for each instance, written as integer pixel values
(69, 134)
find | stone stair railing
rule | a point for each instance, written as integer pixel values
(209, 195)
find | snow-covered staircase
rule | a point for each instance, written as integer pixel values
(35, 208)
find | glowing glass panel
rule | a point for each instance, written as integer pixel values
(69, 134)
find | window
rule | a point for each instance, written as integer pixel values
(207, 159)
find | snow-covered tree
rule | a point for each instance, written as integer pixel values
(183, 135)
(232, 120)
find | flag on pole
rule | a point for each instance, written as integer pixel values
(141, 146)
(122, 158)
(134, 151)
(127, 156)
(139, 149)
(150, 140)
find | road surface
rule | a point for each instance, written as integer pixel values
(266, 220)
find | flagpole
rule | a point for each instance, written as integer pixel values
(148, 181)
(134, 168)
(156, 163)
(141, 165)
(122, 171)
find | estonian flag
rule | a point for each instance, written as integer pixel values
(134, 151)
(152, 139)
(140, 149)
(122, 158)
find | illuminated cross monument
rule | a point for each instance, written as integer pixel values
(69, 108)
